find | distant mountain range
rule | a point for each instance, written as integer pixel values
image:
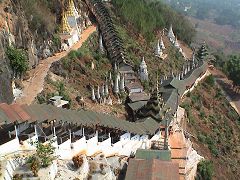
(222, 12)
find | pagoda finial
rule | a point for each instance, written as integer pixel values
(71, 11)
(65, 26)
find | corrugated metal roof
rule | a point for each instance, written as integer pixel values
(20, 112)
(188, 80)
(37, 112)
(9, 112)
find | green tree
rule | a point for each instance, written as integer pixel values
(42, 158)
(205, 170)
(202, 52)
(18, 60)
(233, 69)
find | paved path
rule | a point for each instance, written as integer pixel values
(226, 85)
(34, 85)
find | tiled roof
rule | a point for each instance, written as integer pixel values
(152, 170)
(134, 85)
(134, 97)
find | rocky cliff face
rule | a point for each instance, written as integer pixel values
(6, 94)
(15, 30)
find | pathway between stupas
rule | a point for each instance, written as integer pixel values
(34, 85)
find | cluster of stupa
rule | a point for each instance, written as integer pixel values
(101, 94)
(187, 67)
(119, 81)
(159, 49)
(173, 39)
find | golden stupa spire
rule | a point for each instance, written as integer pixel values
(65, 26)
(71, 8)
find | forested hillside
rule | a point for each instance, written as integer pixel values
(148, 17)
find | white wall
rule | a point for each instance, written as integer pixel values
(48, 173)
(106, 147)
(64, 150)
(9, 147)
(92, 145)
(126, 136)
(79, 146)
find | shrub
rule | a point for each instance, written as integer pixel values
(191, 118)
(219, 93)
(34, 165)
(202, 114)
(56, 41)
(18, 60)
(213, 150)
(93, 167)
(41, 99)
(77, 161)
(205, 170)
(42, 158)
(210, 80)
(195, 99)
(18, 177)
(74, 54)
(201, 138)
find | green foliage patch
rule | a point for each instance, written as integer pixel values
(18, 60)
(205, 170)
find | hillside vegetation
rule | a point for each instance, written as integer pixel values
(215, 127)
(148, 17)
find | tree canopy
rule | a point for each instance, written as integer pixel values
(233, 69)
(202, 52)
(205, 170)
